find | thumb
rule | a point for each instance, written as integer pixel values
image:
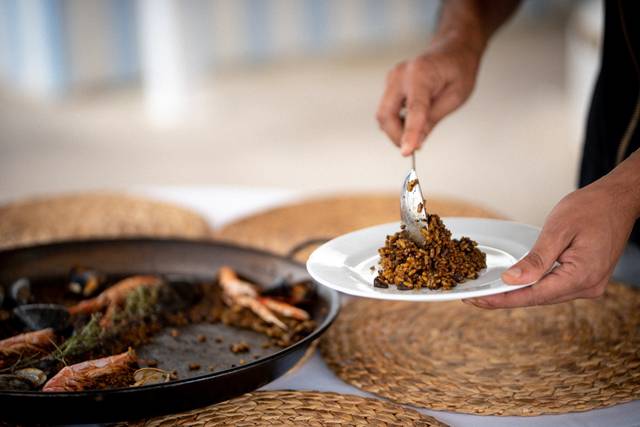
(539, 260)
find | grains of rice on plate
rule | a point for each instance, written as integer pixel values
(441, 263)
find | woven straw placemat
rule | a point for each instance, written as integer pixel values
(95, 215)
(283, 228)
(298, 408)
(554, 359)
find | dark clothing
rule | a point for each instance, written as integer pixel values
(616, 95)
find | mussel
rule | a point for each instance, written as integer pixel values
(20, 291)
(85, 281)
(42, 316)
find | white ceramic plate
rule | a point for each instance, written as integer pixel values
(345, 262)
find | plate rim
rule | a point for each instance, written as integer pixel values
(406, 295)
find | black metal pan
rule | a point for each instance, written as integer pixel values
(47, 264)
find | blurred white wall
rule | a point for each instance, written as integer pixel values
(81, 43)
(51, 48)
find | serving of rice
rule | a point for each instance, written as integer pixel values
(441, 263)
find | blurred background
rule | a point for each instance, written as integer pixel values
(280, 95)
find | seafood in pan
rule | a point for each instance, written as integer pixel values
(86, 339)
(27, 344)
(244, 294)
(114, 370)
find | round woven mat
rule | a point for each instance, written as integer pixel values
(96, 215)
(450, 356)
(283, 228)
(296, 408)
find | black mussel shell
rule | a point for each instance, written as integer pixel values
(41, 316)
(85, 281)
(20, 291)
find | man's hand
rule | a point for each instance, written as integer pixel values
(429, 86)
(585, 233)
(437, 82)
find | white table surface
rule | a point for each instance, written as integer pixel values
(221, 205)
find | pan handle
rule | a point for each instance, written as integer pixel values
(305, 244)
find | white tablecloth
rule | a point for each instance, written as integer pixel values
(223, 204)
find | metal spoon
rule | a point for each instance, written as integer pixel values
(412, 206)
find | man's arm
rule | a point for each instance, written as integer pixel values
(441, 79)
(474, 20)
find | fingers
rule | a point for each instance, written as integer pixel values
(427, 92)
(418, 85)
(429, 107)
(388, 114)
(561, 284)
(415, 126)
(553, 240)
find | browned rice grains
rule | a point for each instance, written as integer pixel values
(442, 263)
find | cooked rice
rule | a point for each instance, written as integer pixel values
(441, 263)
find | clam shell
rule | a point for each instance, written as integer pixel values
(33, 375)
(147, 376)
